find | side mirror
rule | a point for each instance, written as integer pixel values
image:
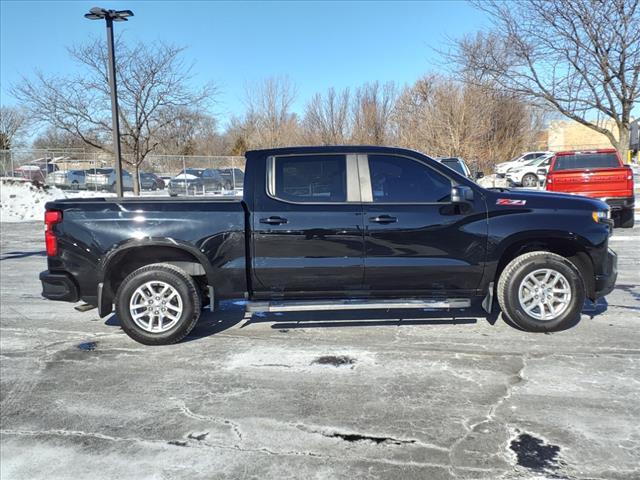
(461, 194)
(542, 172)
(479, 175)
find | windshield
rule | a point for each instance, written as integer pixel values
(586, 160)
(455, 164)
(537, 161)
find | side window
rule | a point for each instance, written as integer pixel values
(311, 178)
(402, 180)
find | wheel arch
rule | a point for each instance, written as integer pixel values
(568, 245)
(127, 257)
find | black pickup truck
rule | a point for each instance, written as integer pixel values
(320, 228)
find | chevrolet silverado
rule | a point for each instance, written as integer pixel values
(320, 228)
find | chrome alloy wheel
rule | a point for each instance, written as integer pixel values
(544, 294)
(155, 306)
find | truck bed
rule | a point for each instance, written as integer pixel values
(100, 231)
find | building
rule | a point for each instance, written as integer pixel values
(571, 135)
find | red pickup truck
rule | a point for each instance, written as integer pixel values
(596, 174)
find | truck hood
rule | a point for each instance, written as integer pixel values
(543, 199)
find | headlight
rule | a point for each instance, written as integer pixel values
(601, 216)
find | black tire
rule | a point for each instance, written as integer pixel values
(154, 186)
(227, 186)
(516, 271)
(75, 185)
(530, 180)
(176, 278)
(626, 218)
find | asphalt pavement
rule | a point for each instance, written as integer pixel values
(398, 395)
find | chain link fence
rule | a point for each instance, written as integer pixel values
(77, 169)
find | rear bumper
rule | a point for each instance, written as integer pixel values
(619, 203)
(59, 286)
(606, 282)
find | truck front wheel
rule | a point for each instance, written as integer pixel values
(541, 291)
(158, 304)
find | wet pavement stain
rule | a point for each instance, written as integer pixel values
(354, 437)
(177, 443)
(534, 454)
(335, 360)
(88, 346)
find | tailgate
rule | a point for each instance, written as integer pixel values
(601, 182)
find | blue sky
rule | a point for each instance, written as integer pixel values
(316, 44)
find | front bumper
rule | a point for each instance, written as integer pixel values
(59, 286)
(606, 282)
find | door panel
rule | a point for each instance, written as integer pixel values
(416, 241)
(308, 238)
(430, 248)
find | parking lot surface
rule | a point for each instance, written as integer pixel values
(401, 394)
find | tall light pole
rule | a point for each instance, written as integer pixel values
(97, 13)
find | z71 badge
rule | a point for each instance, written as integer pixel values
(509, 201)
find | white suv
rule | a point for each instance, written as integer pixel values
(501, 168)
(527, 174)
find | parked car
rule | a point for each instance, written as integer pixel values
(32, 173)
(105, 179)
(526, 174)
(151, 181)
(596, 174)
(457, 164)
(71, 179)
(501, 168)
(332, 228)
(196, 181)
(233, 178)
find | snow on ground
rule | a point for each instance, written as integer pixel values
(491, 181)
(24, 202)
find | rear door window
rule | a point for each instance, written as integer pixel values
(586, 160)
(397, 179)
(311, 178)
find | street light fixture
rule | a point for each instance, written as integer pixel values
(97, 13)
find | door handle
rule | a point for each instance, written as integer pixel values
(274, 220)
(383, 219)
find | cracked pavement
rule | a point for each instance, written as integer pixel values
(401, 394)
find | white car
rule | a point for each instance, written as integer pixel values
(527, 174)
(501, 168)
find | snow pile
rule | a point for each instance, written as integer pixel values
(491, 181)
(22, 201)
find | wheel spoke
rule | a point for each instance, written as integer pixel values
(544, 294)
(156, 306)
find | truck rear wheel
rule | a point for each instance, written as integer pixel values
(541, 291)
(158, 304)
(627, 218)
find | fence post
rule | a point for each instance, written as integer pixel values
(184, 176)
(11, 160)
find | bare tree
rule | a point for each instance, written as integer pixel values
(53, 138)
(153, 86)
(372, 108)
(269, 121)
(326, 120)
(13, 123)
(444, 117)
(184, 132)
(582, 57)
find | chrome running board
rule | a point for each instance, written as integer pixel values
(323, 305)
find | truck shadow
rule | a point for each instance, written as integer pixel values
(231, 314)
